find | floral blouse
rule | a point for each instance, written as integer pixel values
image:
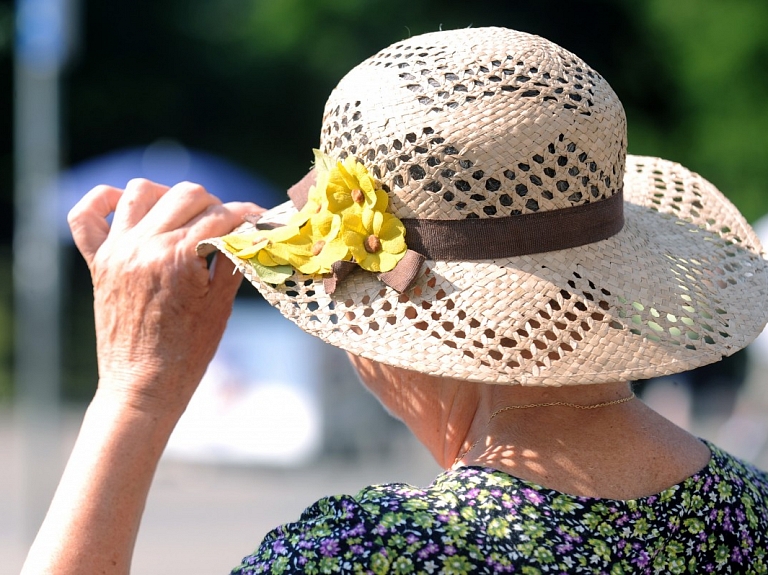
(480, 520)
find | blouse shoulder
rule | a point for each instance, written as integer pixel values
(479, 518)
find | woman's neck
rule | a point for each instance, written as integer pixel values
(523, 416)
(620, 450)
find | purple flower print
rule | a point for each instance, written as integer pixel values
(643, 559)
(357, 531)
(533, 496)
(329, 547)
(429, 549)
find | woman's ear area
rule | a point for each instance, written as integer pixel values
(370, 372)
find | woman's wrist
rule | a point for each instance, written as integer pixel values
(120, 401)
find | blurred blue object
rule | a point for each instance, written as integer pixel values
(165, 162)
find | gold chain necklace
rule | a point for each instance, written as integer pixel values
(547, 404)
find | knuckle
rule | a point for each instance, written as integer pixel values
(191, 189)
(84, 205)
(139, 183)
(74, 215)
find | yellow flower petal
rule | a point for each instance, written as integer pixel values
(359, 172)
(237, 242)
(331, 253)
(353, 222)
(369, 262)
(281, 234)
(378, 220)
(368, 218)
(392, 235)
(382, 201)
(323, 162)
(265, 259)
(388, 261)
(250, 251)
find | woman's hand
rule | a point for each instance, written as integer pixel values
(159, 311)
(159, 316)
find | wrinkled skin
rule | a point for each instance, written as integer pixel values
(159, 310)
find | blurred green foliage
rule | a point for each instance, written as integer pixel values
(247, 79)
(717, 54)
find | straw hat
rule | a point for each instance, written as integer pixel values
(550, 257)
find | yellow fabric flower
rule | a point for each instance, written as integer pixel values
(246, 246)
(349, 186)
(375, 239)
(344, 218)
(314, 249)
(316, 201)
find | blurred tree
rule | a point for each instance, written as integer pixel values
(716, 54)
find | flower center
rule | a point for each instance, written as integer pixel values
(357, 196)
(372, 244)
(318, 247)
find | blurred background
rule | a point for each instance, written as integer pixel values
(230, 93)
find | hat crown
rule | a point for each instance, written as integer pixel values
(479, 123)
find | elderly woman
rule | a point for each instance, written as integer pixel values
(475, 236)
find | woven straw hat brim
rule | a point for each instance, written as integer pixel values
(682, 285)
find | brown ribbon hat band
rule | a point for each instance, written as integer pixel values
(487, 238)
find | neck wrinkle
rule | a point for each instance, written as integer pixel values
(453, 416)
